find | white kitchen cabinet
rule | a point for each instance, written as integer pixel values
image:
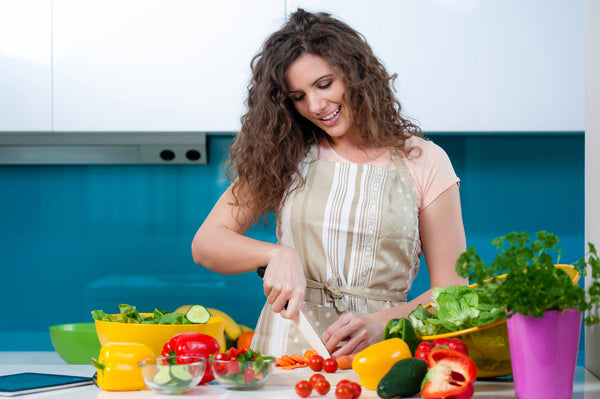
(477, 65)
(156, 65)
(25, 65)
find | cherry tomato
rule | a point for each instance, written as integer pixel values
(356, 389)
(303, 389)
(344, 391)
(316, 377)
(222, 356)
(342, 382)
(322, 386)
(330, 365)
(316, 363)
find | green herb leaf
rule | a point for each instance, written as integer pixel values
(532, 284)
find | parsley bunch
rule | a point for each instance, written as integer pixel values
(532, 284)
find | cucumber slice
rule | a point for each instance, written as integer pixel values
(181, 373)
(198, 314)
(163, 376)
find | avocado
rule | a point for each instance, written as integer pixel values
(404, 379)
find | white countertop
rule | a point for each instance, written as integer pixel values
(586, 385)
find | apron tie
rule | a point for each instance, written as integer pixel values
(333, 290)
(336, 293)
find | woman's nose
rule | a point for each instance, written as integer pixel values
(316, 103)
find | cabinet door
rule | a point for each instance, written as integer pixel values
(156, 65)
(477, 65)
(25, 65)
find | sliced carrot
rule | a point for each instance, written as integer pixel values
(309, 353)
(294, 366)
(298, 359)
(278, 362)
(344, 362)
(288, 360)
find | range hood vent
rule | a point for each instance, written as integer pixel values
(165, 148)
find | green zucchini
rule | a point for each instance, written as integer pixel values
(181, 373)
(404, 379)
(163, 376)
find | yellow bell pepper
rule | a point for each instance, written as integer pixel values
(118, 368)
(373, 362)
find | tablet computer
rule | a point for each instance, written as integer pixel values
(22, 383)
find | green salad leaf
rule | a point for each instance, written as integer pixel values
(130, 314)
(456, 307)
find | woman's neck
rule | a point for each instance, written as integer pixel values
(351, 152)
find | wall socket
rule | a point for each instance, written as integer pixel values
(174, 154)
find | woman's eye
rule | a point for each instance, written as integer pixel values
(298, 97)
(324, 85)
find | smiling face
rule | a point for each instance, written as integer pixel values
(317, 92)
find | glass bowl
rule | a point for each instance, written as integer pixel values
(173, 375)
(242, 374)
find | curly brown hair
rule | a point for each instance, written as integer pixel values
(274, 137)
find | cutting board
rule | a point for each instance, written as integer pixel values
(282, 377)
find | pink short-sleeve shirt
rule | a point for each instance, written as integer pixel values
(431, 170)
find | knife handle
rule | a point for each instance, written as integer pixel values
(261, 273)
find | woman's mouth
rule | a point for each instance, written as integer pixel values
(331, 118)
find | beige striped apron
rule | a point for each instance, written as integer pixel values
(355, 226)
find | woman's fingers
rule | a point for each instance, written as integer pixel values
(284, 282)
(342, 329)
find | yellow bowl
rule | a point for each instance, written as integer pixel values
(156, 335)
(488, 345)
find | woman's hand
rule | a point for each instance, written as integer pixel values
(359, 331)
(284, 282)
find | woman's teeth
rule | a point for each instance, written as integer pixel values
(333, 115)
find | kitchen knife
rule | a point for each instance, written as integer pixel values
(304, 327)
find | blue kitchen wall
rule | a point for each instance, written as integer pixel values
(84, 237)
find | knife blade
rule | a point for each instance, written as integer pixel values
(304, 326)
(310, 335)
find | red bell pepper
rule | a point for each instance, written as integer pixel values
(193, 344)
(425, 347)
(451, 375)
(450, 343)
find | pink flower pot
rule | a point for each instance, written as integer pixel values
(543, 353)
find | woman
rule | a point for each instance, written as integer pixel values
(358, 193)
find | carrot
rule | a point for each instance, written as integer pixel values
(298, 359)
(294, 366)
(344, 362)
(287, 359)
(309, 353)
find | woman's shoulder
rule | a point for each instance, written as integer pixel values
(430, 168)
(423, 152)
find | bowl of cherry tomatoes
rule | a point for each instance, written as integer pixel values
(241, 370)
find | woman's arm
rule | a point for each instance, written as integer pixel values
(221, 246)
(443, 240)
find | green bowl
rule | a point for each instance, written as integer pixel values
(76, 343)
